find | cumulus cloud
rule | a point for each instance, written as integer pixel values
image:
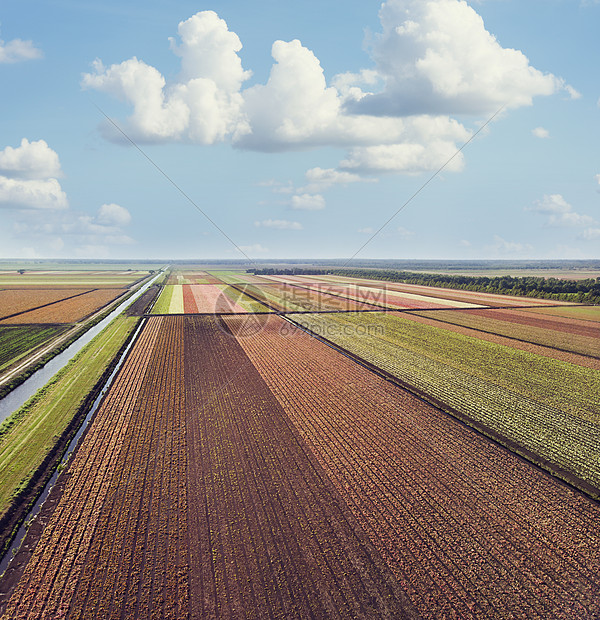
(540, 132)
(404, 233)
(113, 215)
(308, 202)
(18, 50)
(279, 224)
(253, 250)
(320, 179)
(431, 60)
(204, 106)
(30, 160)
(28, 177)
(559, 212)
(502, 247)
(437, 57)
(591, 234)
(32, 194)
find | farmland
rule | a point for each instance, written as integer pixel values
(354, 448)
(41, 312)
(19, 340)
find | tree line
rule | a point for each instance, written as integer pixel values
(579, 291)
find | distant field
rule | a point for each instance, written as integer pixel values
(585, 313)
(581, 337)
(50, 279)
(204, 299)
(21, 300)
(67, 311)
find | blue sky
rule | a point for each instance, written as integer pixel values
(300, 128)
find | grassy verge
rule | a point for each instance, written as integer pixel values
(33, 438)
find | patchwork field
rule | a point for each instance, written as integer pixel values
(302, 446)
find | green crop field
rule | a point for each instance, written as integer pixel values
(31, 432)
(164, 301)
(574, 343)
(545, 405)
(16, 341)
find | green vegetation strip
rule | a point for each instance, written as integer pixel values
(18, 341)
(32, 432)
(549, 407)
(563, 341)
(164, 301)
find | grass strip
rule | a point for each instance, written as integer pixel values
(32, 433)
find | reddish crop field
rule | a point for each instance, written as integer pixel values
(468, 529)
(16, 301)
(68, 310)
(429, 318)
(571, 335)
(292, 298)
(193, 496)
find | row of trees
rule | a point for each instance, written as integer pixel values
(580, 291)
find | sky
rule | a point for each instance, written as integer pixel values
(276, 129)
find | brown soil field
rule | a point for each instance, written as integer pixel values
(21, 300)
(67, 311)
(192, 496)
(469, 530)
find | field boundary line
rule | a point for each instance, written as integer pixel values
(562, 475)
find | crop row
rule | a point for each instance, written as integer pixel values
(17, 301)
(582, 337)
(192, 496)
(468, 529)
(48, 584)
(67, 311)
(520, 395)
(429, 318)
(18, 340)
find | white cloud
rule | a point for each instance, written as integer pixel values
(27, 177)
(30, 160)
(591, 234)
(404, 233)
(464, 243)
(18, 50)
(573, 94)
(251, 250)
(320, 179)
(113, 215)
(502, 247)
(308, 202)
(432, 59)
(540, 132)
(32, 194)
(279, 224)
(436, 57)
(597, 177)
(204, 107)
(559, 212)
(366, 231)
